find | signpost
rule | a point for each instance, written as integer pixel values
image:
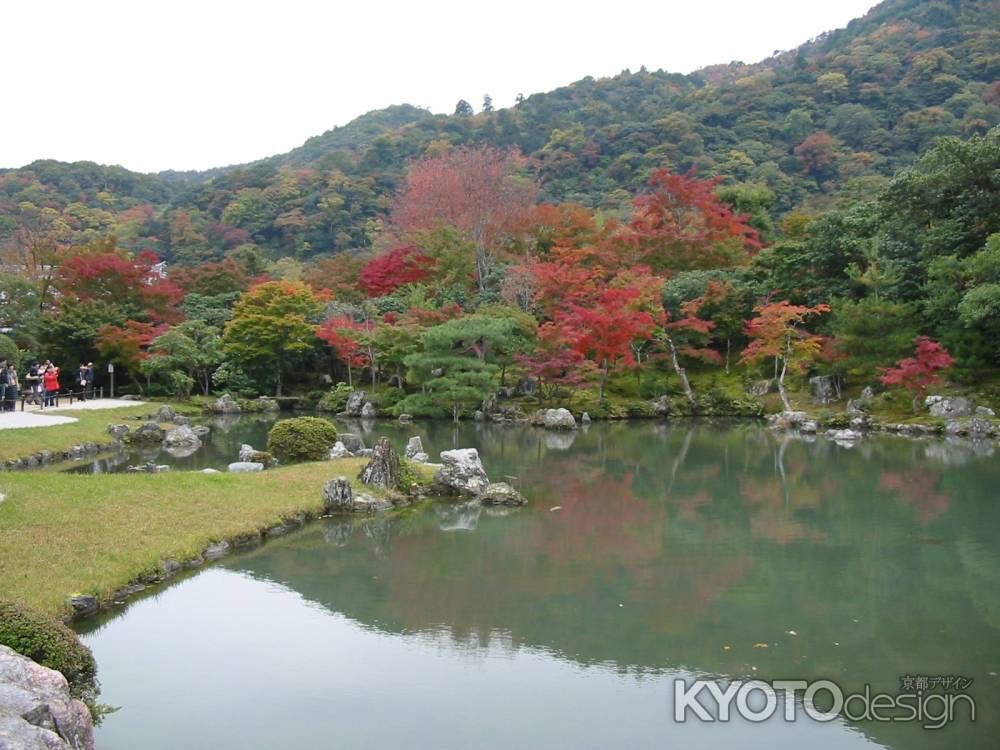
(111, 374)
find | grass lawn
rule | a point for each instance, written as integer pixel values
(89, 428)
(63, 534)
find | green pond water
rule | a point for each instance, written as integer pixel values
(649, 552)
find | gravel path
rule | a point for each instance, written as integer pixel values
(32, 416)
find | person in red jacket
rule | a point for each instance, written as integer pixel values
(50, 382)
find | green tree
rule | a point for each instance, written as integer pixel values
(272, 325)
(872, 332)
(192, 348)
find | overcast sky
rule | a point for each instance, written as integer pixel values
(173, 84)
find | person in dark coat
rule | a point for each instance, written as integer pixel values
(90, 380)
(81, 381)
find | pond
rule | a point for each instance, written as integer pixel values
(649, 552)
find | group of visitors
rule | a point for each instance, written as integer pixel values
(41, 383)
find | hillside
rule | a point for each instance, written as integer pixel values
(840, 113)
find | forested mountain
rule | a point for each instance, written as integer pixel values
(835, 116)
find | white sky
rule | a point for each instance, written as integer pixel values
(174, 84)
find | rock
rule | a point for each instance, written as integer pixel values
(352, 441)
(166, 414)
(217, 550)
(268, 404)
(559, 419)
(461, 473)
(209, 471)
(368, 410)
(478, 415)
(338, 497)
(339, 451)
(129, 397)
(225, 405)
(867, 393)
(759, 388)
(246, 450)
(181, 421)
(383, 470)
(824, 389)
(82, 604)
(201, 430)
(365, 453)
(860, 424)
(437, 372)
(181, 437)
(661, 406)
(355, 402)
(243, 467)
(948, 406)
(501, 493)
(856, 406)
(809, 427)
(787, 420)
(414, 446)
(985, 411)
(263, 457)
(118, 431)
(585, 418)
(506, 391)
(148, 432)
(37, 711)
(975, 427)
(405, 418)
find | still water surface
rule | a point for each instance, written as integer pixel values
(676, 550)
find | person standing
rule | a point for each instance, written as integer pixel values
(3, 380)
(10, 397)
(50, 381)
(90, 381)
(81, 381)
(33, 382)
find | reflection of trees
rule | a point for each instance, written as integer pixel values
(918, 489)
(708, 537)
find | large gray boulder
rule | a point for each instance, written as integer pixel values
(118, 431)
(148, 432)
(181, 437)
(339, 451)
(355, 403)
(787, 420)
(415, 450)
(824, 389)
(166, 414)
(226, 405)
(501, 493)
(661, 406)
(461, 473)
(246, 451)
(383, 470)
(559, 419)
(36, 709)
(338, 497)
(948, 406)
(368, 411)
(245, 467)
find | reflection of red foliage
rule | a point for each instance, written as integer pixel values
(919, 489)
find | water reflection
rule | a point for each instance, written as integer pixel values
(689, 547)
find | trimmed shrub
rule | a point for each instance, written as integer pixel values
(301, 439)
(51, 644)
(335, 399)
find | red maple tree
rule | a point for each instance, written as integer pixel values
(399, 266)
(919, 372)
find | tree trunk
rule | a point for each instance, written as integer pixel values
(781, 377)
(277, 391)
(681, 373)
(604, 379)
(729, 342)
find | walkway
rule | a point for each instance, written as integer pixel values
(32, 416)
